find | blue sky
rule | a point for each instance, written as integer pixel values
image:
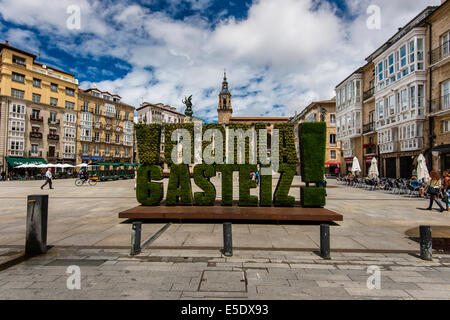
(279, 54)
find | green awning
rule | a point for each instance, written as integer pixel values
(107, 164)
(14, 162)
(132, 164)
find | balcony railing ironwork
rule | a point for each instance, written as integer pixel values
(441, 104)
(52, 136)
(36, 135)
(440, 52)
(369, 127)
(369, 93)
(36, 118)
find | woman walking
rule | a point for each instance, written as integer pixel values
(434, 187)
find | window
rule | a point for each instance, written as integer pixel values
(96, 150)
(37, 82)
(117, 152)
(391, 101)
(332, 139)
(34, 148)
(446, 126)
(445, 94)
(117, 138)
(97, 136)
(107, 138)
(86, 106)
(36, 97)
(70, 92)
(17, 77)
(421, 95)
(403, 56)
(85, 148)
(412, 97)
(117, 114)
(404, 99)
(420, 65)
(411, 52)
(380, 107)
(52, 117)
(127, 116)
(332, 118)
(126, 153)
(35, 113)
(19, 60)
(70, 105)
(54, 87)
(53, 101)
(445, 43)
(17, 93)
(391, 64)
(107, 150)
(333, 154)
(380, 71)
(97, 108)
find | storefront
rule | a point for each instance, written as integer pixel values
(14, 173)
(442, 153)
(332, 168)
(348, 164)
(368, 163)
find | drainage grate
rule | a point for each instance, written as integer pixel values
(223, 281)
(76, 262)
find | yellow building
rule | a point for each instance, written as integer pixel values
(324, 111)
(105, 131)
(38, 110)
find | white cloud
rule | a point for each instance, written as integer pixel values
(286, 52)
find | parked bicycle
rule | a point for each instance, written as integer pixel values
(92, 181)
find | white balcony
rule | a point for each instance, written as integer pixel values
(18, 116)
(411, 144)
(69, 155)
(17, 153)
(388, 147)
(69, 139)
(83, 138)
(57, 76)
(70, 124)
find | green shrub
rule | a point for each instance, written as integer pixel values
(288, 152)
(227, 182)
(149, 193)
(245, 184)
(202, 175)
(312, 197)
(281, 196)
(312, 137)
(265, 188)
(169, 128)
(148, 143)
(219, 127)
(179, 190)
(259, 126)
(244, 127)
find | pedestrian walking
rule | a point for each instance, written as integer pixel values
(3, 175)
(48, 179)
(434, 187)
(257, 177)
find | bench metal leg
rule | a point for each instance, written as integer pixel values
(325, 241)
(227, 240)
(136, 238)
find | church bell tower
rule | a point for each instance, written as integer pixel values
(224, 110)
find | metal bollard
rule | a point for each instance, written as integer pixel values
(426, 243)
(325, 241)
(227, 240)
(36, 234)
(136, 238)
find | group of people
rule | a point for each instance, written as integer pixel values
(437, 189)
(255, 176)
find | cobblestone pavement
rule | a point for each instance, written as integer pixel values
(205, 274)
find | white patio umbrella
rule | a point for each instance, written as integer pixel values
(373, 170)
(66, 165)
(27, 165)
(82, 165)
(355, 166)
(422, 171)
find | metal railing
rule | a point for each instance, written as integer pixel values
(369, 127)
(36, 135)
(369, 93)
(52, 136)
(440, 52)
(35, 118)
(440, 104)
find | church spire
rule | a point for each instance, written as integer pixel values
(224, 109)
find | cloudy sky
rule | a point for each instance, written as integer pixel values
(279, 54)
